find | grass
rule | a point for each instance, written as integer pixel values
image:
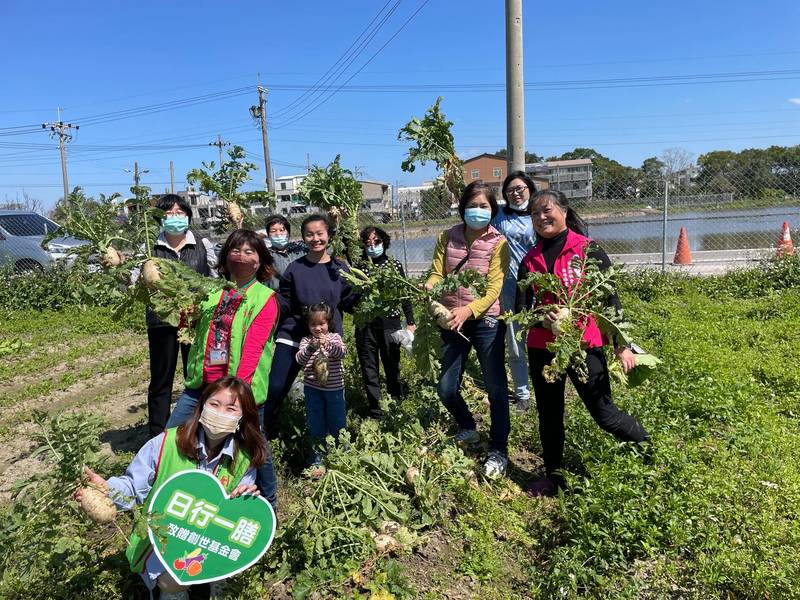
(710, 511)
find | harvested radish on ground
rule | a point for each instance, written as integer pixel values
(411, 475)
(441, 314)
(389, 527)
(97, 505)
(386, 544)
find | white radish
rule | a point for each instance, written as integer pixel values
(560, 322)
(111, 258)
(441, 314)
(97, 505)
(151, 274)
(411, 475)
(386, 544)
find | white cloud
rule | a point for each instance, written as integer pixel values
(794, 100)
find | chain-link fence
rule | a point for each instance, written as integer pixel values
(730, 218)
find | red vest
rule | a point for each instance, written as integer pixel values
(480, 255)
(575, 245)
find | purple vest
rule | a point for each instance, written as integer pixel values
(480, 255)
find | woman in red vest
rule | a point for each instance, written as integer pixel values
(475, 244)
(561, 236)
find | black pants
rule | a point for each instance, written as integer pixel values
(164, 348)
(282, 374)
(596, 396)
(374, 344)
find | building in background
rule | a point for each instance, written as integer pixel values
(491, 168)
(572, 177)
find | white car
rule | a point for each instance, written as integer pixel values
(21, 235)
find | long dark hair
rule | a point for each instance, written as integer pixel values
(558, 198)
(518, 175)
(248, 436)
(237, 239)
(473, 190)
(384, 237)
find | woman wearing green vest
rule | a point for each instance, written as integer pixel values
(222, 437)
(235, 334)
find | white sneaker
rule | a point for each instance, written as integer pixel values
(495, 465)
(466, 436)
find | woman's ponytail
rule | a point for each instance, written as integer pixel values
(575, 223)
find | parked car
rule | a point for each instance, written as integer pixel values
(21, 235)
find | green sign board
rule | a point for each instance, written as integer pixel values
(204, 534)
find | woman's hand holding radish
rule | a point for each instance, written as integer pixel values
(626, 357)
(460, 315)
(94, 480)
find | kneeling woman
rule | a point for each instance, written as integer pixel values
(561, 237)
(222, 437)
(474, 244)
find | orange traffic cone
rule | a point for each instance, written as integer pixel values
(785, 245)
(682, 254)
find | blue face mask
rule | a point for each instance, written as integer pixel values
(477, 218)
(279, 241)
(175, 224)
(375, 251)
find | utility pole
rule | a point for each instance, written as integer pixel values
(515, 88)
(308, 163)
(62, 130)
(137, 174)
(171, 178)
(260, 112)
(219, 144)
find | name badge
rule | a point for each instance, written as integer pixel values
(218, 356)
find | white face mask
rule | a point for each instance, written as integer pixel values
(218, 425)
(522, 206)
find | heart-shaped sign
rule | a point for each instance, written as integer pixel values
(201, 534)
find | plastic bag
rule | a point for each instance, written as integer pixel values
(405, 338)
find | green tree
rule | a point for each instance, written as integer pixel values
(434, 143)
(530, 157)
(651, 176)
(611, 179)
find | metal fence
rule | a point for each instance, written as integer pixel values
(731, 219)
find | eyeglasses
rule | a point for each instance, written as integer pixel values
(175, 213)
(517, 191)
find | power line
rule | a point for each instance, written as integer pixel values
(361, 68)
(325, 76)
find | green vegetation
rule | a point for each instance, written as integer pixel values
(708, 512)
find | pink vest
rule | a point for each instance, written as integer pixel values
(480, 255)
(575, 245)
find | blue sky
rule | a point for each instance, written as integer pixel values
(94, 58)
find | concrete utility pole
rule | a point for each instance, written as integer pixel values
(171, 178)
(219, 144)
(62, 130)
(261, 114)
(137, 174)
(515, 88)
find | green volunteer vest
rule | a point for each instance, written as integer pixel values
(170, 461)
(255, 298)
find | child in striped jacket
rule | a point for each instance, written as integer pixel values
(320, 356)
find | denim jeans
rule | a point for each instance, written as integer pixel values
(266, 480)
(517, 352)
(487, 336)
(326, 415)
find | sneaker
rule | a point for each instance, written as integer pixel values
(466, 436)
(542, 487)
(495, 465)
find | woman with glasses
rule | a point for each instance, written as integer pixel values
(175, 242)
(514, 222)
(234, 335)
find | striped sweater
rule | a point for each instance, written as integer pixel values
(335, 348)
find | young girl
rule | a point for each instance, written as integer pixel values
(562, 236)
(320, 356)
